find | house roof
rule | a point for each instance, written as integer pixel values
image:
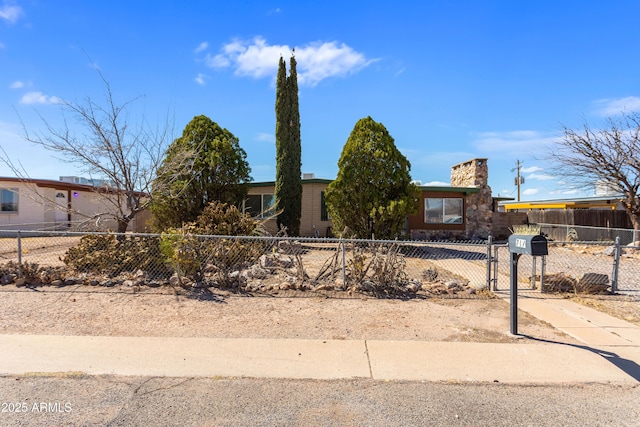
(304, 181)
(424, 188)
(58, 185)
(443, 189)
(611, 202)
(49, 183)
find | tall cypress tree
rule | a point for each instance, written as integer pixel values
(288, 191)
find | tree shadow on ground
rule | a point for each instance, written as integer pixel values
(205, 294)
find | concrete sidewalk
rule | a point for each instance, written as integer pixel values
(610, 353)
(583, 323)
(315, 359)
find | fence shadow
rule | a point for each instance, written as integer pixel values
(439, 253)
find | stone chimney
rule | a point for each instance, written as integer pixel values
(472, 173)
(475, 173)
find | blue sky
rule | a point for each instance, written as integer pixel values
(451, 80)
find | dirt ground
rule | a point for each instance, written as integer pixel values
(128, 311)
(144, 311)
(625, 307)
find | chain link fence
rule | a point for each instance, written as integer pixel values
(251, 264)
(271, 264)
(594, 264)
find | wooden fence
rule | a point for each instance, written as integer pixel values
(587, 217)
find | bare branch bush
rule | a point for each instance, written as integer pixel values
(107, 147)
(606, 156)
(378, 269)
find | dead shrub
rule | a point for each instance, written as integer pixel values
(110, 255)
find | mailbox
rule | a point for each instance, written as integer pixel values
(528, 244)
(522, 244)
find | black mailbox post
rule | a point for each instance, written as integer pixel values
(522, 244)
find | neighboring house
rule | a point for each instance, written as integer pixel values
(40, 204)
(598, 211)
(607, 202)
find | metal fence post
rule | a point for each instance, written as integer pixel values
(542, 268)
(533, 272)
(496, 253)
(489, 260)
(616, 266)
(19, 255)
(344, 267)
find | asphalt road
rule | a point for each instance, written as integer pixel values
(67, 399)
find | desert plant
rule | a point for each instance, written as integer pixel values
(111, 255)
(95, 253)
(379, 270)
(204, 246)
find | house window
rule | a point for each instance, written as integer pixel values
(443, 211)
(324, 213)
(9, 200)
(259, 205)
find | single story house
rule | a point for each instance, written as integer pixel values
(609, 202)
(465, 209)
(598, 211)
(41, 204)
(314, 220)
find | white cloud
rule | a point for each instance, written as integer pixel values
(201, 47)
(266, 137)
(201, 79)
(565, 191)
(531, 169)
(541, 177)
(514, 143)
(530, 191)
(39, 98)
(217, 61)
(315, 61)
(400, 71)
(436, 184)
(17, 85)
(613, 107)
(10, 13)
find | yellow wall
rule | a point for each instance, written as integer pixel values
(311, 209)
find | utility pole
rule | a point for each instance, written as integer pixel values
(519, 180)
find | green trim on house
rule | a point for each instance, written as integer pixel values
(437, 189)
(304, 181)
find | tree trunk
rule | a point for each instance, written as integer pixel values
(123, 224)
